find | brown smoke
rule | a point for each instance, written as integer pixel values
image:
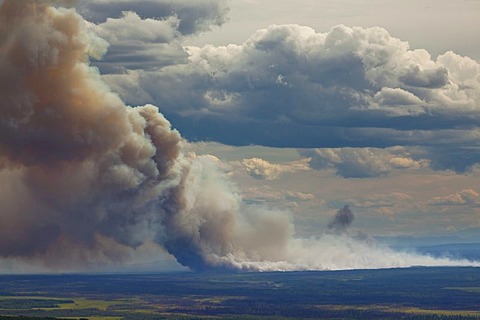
(78, 165)
(85, 179)
(86, 176)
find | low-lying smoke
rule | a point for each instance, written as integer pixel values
(86, 179)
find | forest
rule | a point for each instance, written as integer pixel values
(411, 293)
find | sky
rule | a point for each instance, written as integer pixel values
(298, 109)
(383, 97)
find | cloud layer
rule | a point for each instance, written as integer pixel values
(147, 34)
(362, 162)
(292, 86)
(289, 85)
(263, 169)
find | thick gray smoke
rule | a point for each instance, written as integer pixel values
(86, 179)
(81, 172)
(342, 220)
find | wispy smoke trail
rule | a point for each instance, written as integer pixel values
(86, 179)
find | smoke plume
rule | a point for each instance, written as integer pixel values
(86, 179)
(342, 220)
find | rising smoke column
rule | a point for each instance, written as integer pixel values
(342, 220)
(86, 179)
(90, 178)
(80, 170)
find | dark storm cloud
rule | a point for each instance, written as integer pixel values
(146, 34)
(458, 159)
(134, 56)
(194, 16)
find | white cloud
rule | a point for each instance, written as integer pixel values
(288, 85)
(130, 27)
(421, 22)
(463, 197)
(299, 196)
(361, 162)
(405, 163)
(262, 169)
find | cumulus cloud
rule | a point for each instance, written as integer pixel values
(137, 43)
(147, 34)
(361, 162)
(397, 102)
(194, 16)
(463, 197)
(290, 86)
(262, 169)
(130, 27)
(451, 156)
